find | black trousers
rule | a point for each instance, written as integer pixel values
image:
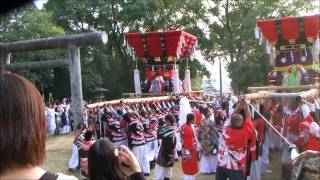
(224, 173)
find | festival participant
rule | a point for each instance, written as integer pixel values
(189, 153)
(198, 115)
(106, 162)
(267, 137)
(150, 133)
(221, 117)
(238, 136)
(65, 121)
(50, 111)
(83, 153)
(166, 156)
(208, 138)
(22, 130)
(98, 126)
(90, 125)
(259, 126)
(291, 121)
(79, 136)
(309, 130)
(276, 120)
(136, 141)
(58, 120)
(197, 123)
(232, 102)
(115, 133)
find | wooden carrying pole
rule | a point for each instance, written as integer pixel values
(136, 100)
(161, 94)
(283, 88)
(312, 93)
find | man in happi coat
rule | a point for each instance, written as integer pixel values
(238, 142)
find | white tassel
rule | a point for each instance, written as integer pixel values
(187, 81)
(268, 48)
(294, 154)
(257, 32)
(134, 57)
(127, 48)
(272, 60)
(124, 42)
(137, 85)
(306, 52)
(260, 41)
(185, 109)
(315, 50)
(176, 83)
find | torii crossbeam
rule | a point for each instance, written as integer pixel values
(72, 42)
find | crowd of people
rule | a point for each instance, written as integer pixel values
(231, 140)
(59, 117)
(126, 141)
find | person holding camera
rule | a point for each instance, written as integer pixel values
(107, 162)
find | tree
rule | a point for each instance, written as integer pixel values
(31, 24)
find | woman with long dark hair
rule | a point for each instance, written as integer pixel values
(106, 162)
(22, 130)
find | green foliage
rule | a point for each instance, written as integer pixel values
(224, 28)
(32, 24)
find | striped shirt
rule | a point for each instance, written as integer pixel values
(136, 133)
(115, 132)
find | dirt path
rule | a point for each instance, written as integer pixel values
(59, 150)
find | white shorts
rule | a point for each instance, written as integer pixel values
(162, 172)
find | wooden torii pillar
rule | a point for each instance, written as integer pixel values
(73, 43)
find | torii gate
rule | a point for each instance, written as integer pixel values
(73, 43)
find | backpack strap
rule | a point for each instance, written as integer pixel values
(49, 176)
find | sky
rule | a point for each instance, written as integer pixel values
(214, 71)
(39, 3)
